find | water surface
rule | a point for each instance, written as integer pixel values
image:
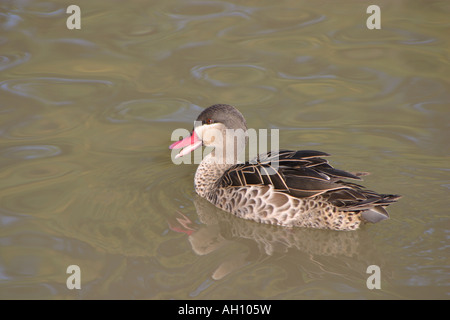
(86, 118)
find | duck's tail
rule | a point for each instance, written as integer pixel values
(378, 212)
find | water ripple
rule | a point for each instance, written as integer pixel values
(31, 152)
(272, 21)
(354, 34)
(12, 60)
(197, 9)
(236, 83)
(41, 9)
(56, 91)
(311, 77)
(229, 74)
(152, 110)
(9, 20)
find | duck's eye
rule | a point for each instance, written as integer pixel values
(209, 121)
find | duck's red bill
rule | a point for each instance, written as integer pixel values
(189, 144)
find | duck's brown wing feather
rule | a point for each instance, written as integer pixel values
(305, 174)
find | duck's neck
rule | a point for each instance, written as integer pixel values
(208, 172)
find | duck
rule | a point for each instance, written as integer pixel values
(287, 188)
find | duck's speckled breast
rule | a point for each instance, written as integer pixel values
(208, 173)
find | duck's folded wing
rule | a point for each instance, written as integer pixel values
(300, 173)
(305, 174)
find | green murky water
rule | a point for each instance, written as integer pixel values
(86, 118)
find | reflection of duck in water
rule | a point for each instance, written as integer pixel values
(303, 191)
(217, 232)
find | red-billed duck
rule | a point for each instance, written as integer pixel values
(286, 188)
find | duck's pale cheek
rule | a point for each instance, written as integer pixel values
(213, 137)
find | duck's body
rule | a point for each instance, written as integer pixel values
(303, 189)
